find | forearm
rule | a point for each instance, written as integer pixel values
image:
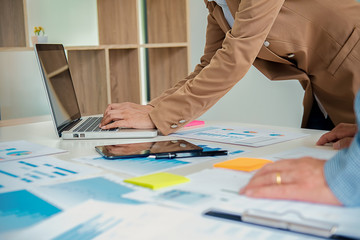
(342, 175)
(342, 171)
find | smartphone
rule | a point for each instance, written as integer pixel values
(145, 149)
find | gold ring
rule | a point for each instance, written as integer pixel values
(278, 178)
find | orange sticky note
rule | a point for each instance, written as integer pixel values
(243, 164)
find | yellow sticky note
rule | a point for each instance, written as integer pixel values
(157, 180)
(243, 164)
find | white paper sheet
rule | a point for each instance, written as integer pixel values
(95, 220)
(246, 136)
(23, 149)
(318, 152)
(19, 174)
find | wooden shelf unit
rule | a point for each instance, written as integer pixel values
(112, 71)
(13, 24)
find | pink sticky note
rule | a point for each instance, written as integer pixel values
(195, 123)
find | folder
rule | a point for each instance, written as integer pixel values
(297, 223)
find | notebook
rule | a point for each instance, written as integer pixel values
(65, 111)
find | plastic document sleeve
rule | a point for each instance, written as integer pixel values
(290, 221)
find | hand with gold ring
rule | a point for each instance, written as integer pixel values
(278, 178)
(293, 179)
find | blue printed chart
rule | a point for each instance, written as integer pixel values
(133, 166)
(252, 137)
(69, 194)
(21, 209)
(22, 149)
(147, 165)
(28, 172)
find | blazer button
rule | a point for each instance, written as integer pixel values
(291, 55)
(266, 43)
(174, 126)
(182, 121)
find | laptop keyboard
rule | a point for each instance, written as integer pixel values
(91, 124)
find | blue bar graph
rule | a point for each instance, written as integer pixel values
(28, 164)
(8, 174)
(21, 209)
(26, 180)
(97, 188)
(59, 173)
(89, 229)
(65, 170)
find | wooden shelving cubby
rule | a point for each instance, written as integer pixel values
(124, 75)
(88, 70)
(13, 25)
(164, 68)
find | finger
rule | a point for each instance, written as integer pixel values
(278, 166)
(111, 116)
(274, 178)
(326, 138)
(116, 124)
(286, 191)
(294, 192)
(343, 143)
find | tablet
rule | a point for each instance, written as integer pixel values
(145, 149)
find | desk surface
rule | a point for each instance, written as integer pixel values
(43, 133)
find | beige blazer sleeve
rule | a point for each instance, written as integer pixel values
(212, 44)
(216, 75)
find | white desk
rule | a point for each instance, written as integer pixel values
(43, 133)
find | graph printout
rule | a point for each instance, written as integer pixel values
(102, 188)
(252, 137)
(97, 220)
(20, 209)
(145, 165)
(28, 172)
(23, 149)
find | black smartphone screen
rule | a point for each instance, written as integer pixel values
(145, 149)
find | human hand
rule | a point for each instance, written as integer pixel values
(293, 179)
(127, 115)
(341, 136)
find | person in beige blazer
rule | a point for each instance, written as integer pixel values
(316, 42)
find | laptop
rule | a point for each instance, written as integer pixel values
(64, 106)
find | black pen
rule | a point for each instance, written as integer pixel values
(190, 154)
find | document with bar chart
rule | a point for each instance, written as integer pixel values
(23, 208)
(24, 149)
(145, 165)
(245, 136)
(32, 171)
(20, 209)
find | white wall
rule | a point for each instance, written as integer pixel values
(254, 99)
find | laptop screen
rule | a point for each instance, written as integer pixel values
(58, 82)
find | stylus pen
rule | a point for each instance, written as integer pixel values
(191, 154)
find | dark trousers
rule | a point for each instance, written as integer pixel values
(317, 119)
